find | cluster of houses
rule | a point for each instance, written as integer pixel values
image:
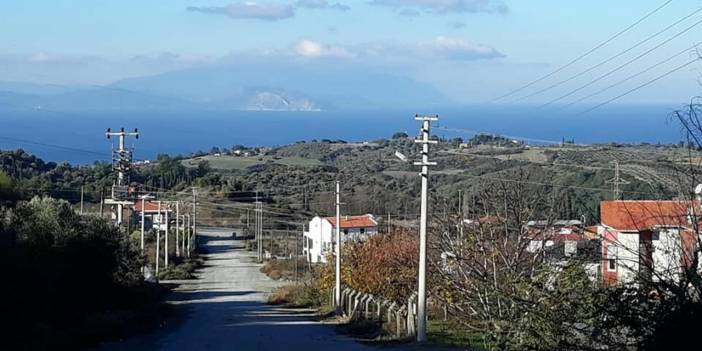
(650, 240)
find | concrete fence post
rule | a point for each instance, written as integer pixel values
(411, 314)
(367, 312)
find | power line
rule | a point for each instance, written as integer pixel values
(623, 65)
(638, 87)
(56, 146)
(544, 141)
(592, 68)
(572, 62)
(632, 76)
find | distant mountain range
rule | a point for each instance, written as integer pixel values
(252, 87)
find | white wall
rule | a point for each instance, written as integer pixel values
(627, 257)
(322, 234)
(667, 254)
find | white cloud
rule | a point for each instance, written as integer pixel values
(321, 4)
(315, 49)
(459, 49)
(446, 6)
(39, 57)
(267, 11)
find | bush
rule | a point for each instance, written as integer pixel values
(63, 269)
(301, 295)
(383, 265)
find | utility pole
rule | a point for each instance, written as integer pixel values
(81, 199)
(168, 227)
(259, 245)
(422, 289)
(190, 233)
(143, 217)
(158, 237)
(194, 235)
(337, 249)
(616, 182)
(183, 235)
(122, 163)
(258, 232)
(177, 229)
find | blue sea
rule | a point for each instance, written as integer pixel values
(80, 137)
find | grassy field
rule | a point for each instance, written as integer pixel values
(239, 163)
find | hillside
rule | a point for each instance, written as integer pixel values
(302, 175)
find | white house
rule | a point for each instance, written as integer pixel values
(654, 240)
(320, 235)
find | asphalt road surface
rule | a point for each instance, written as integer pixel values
(225, 309)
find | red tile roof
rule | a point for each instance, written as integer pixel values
(149, 206)
(642, 215)
(364, 221)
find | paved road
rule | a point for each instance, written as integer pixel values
(226, 310)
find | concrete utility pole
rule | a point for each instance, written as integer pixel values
(190, 233)
(337, 251)
(184, 230)
(122, 163)
(81, 199)
(143, 200)
(258, 228)
(177, 229)
(194, 234)
(165, 249)
(616, 182)
(158, 238)
(259, 244)
(422, 289)
(143, 218)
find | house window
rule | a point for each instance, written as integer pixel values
(611, 258)
(346, 231)
(310, 242)
(363, 230)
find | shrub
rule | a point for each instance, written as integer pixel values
(62, 269)
(300, 295)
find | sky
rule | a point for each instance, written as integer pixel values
(471, 50)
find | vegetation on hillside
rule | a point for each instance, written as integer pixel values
(69, 280)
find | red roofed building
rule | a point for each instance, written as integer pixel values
(320, 235)
(151, 214)
(652, 240)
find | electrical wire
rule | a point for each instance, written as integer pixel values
(638, 87)
(612, 58)
(577, 59)
(631, 77)
(617, 69)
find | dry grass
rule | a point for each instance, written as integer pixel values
(284, 295)
(297, 295)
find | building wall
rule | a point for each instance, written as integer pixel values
(321, 234)
(667, 254)
(623, 249)
(628, 257)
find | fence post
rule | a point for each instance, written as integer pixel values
(366, 313)
(411, 312)
(398, 317)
